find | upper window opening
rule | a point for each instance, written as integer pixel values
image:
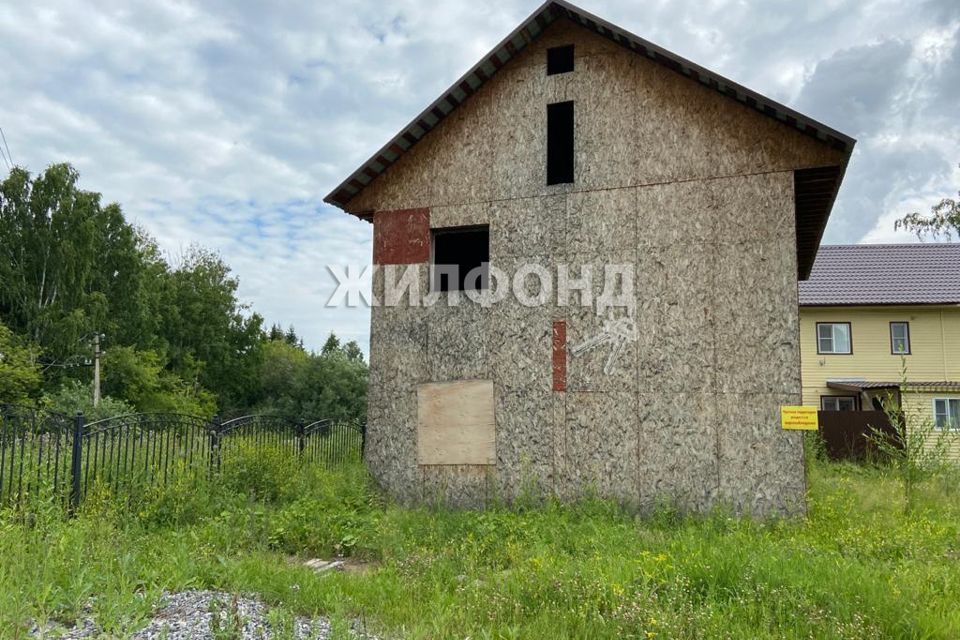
(560, 60)
(560, 143)
(833, 337)
(900, 338)
(461, 258)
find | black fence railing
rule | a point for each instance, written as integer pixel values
(47, 453)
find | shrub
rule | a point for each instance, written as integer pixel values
(267, 473)
(75, 397)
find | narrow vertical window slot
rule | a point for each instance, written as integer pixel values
(560, 143)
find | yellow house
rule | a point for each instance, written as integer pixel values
(883, 321)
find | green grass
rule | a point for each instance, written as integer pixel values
(857, 567)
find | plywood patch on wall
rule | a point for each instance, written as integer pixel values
(455, 423)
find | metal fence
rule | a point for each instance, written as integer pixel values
(47, 453)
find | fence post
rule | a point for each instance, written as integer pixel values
(301, 439)
(215, 444)
(75, 462)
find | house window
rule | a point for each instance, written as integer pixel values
(460, 259)
(833, 337)
(560, 60)
(838, 403)
(900, 338)
(946, 413)
(560, 143)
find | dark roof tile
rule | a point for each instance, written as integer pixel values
(869, 274)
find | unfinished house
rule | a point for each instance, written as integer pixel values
(573, 146)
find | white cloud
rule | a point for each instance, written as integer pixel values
(226, 122)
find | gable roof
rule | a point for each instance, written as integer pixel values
(815, 190)
(884, 274)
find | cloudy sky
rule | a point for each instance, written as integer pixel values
(226, 122)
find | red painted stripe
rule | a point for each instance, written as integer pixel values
(559, 355)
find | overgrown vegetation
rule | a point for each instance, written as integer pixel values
(857, 567)
(176, 337)
(916, 450)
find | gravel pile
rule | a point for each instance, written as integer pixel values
(198, 615)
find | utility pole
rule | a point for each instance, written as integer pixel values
(96, 370)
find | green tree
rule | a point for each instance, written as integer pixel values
(69, 265)
(20, 378)
(177, 337)
(208, 332)
(329, 384)
(140, 379)
(944, 219)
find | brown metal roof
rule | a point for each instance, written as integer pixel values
(864, 385)
(884, 274)
(816, 189)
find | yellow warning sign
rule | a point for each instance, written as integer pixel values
(799, 418)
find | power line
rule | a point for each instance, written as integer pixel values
(4, 156)
(9, 155)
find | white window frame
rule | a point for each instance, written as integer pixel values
(951, 414)
(905, 337)
(833, 338)
(853, 399)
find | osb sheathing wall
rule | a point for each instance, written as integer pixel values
(689, 186)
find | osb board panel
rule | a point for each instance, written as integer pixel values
(401, 298)
(610, 365)
(398, 348)
(761, 465)
(457, 348)
(390, 450)
(601, 446)
(520, 343)
(730, 209)
(455, 423)
(757, 325)
(528, 227)
(461, 215)
(459, 486)
(678, 442)
(401, 236)
(525, 444)
(676, 299)
(602, 222)
(637, 123)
